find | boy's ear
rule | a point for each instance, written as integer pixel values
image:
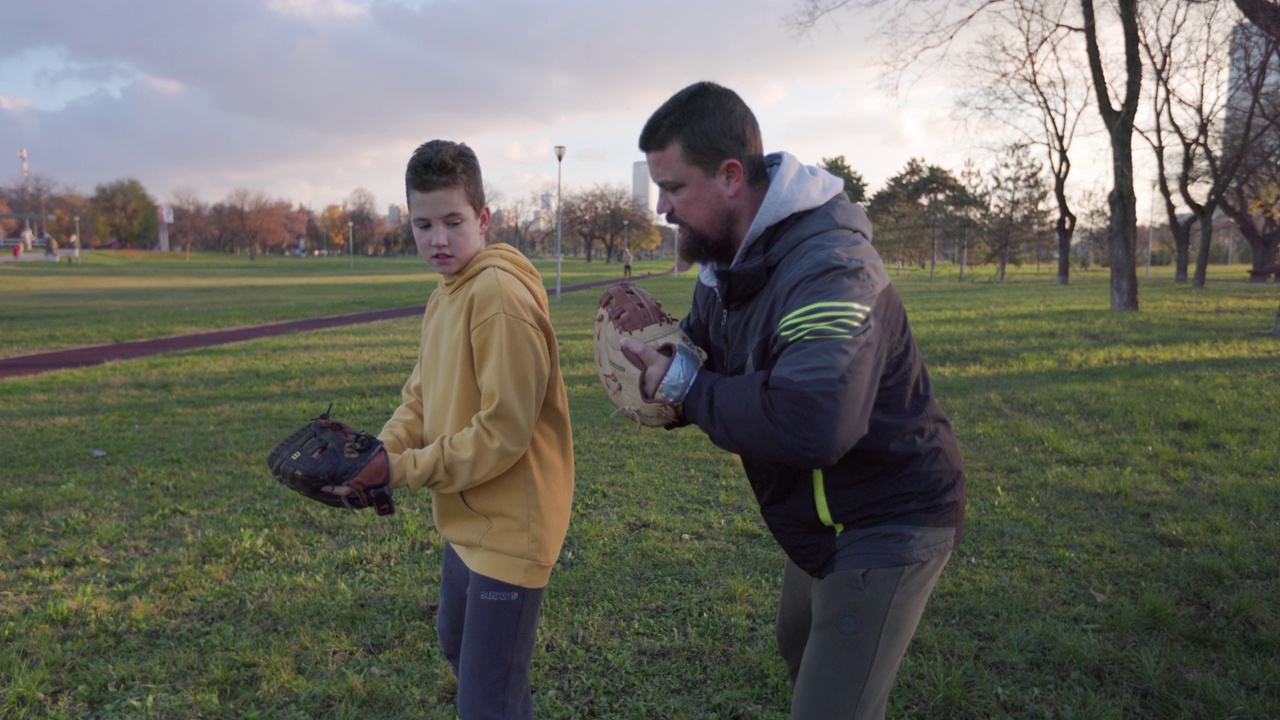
(484, 219)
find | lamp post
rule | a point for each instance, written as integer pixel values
(675, 250)
(559, 165)
(351, 244)
(1150, 222)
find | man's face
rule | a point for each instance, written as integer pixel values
(697, 203)
(446, 229)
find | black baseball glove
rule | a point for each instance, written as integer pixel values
(324, 455)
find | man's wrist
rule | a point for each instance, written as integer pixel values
(680, 375)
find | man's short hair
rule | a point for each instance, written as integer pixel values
(441, 164)
(712, 124)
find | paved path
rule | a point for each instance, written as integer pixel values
(99, 354)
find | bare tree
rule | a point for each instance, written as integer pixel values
(522, 223)
(192, 224)
(596, 216)
(262, 223)
(1028, 76)
(1118, 118)
(32, 196)
(925, 31)
(1188, 49)
(362, 213)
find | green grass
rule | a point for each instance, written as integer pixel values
(1120, 558)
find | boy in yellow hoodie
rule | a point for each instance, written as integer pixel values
(483, 424)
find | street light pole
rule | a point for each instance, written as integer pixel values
(351, 244)
(675, 250)
(1150, 223)
(559, 165)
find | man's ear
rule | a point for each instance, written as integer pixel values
(484, 219)
(733, 176)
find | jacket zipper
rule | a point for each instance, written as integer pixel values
(724, 320)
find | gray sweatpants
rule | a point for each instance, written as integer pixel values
(844, 636)
(487, 630)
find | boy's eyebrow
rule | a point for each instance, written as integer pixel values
(446, 216)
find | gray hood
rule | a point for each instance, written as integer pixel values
(793, 187)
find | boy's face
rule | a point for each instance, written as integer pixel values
(446, 229)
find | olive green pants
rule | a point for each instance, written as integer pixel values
(844, 636)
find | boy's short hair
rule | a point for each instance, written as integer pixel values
(712, 124)
(441, 164)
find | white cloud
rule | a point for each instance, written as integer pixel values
(16, 104)
(315, 9)
(163, 86)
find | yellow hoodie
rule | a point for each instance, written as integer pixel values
(483, 421)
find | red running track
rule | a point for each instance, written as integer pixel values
(112, 352)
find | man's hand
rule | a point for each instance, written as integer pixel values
(654, 364)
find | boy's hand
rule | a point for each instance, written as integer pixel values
(332, 463)
(370, 488)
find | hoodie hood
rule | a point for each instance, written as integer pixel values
(504, 257)
(793, 187)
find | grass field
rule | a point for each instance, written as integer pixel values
(1121, 556)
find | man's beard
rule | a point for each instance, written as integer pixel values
(696, 246)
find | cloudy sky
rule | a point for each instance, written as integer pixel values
(308, 100)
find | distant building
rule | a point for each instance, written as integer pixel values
(1254, 64)
(641, 197)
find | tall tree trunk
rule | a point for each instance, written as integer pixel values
(1065, 231)
(1123, 237)
(1202, 254)
(1123, 228)
(933, 259)
(1181, 250)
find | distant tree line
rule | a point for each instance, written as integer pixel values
(596, 223)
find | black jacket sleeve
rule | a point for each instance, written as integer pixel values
(806, 395)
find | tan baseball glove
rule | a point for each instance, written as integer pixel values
(626, 310)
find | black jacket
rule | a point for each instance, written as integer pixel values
(812, 376)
